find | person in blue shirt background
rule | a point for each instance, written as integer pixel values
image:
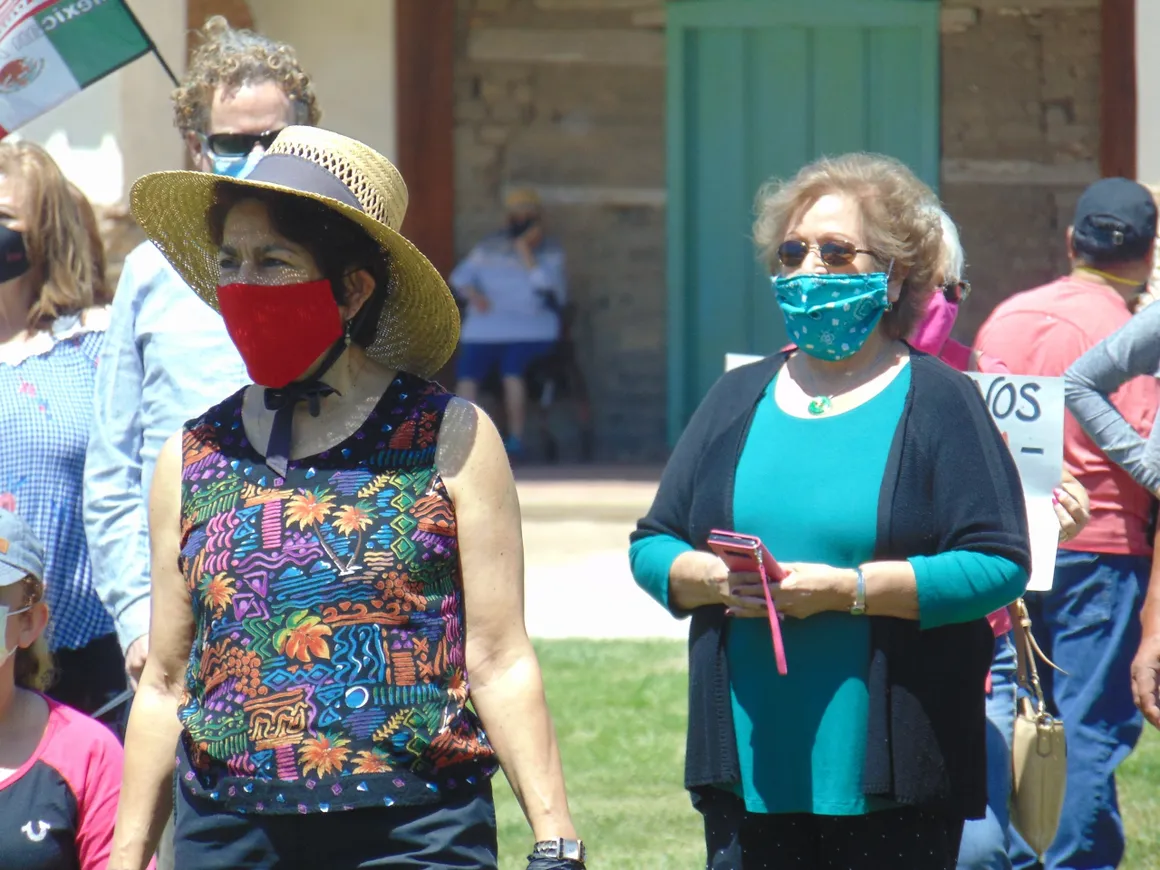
(240, 91)
(514, 286)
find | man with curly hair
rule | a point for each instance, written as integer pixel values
(167, 356)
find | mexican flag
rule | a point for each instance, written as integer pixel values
(52, 49)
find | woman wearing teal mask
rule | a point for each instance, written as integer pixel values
(877, 480)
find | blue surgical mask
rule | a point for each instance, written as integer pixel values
(830, 316)
(235, 166)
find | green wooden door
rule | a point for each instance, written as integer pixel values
(756, 89)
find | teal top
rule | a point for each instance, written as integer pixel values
(801, 738)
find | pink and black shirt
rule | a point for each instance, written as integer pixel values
(57, 810)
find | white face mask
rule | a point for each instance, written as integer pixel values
(4, 614)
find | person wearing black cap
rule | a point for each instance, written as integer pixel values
(1088, 623)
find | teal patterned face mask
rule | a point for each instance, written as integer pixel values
(830, 316)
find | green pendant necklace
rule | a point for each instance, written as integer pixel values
(819, 405)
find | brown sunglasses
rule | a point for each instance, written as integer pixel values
(793, 252)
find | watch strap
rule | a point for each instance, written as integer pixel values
(561, 848)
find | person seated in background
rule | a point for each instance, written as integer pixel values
(513, 285)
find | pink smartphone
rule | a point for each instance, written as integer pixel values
(746, 553)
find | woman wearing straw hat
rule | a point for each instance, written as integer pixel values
(336, 549)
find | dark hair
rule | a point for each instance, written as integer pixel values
(1099, 256)
(339, 245)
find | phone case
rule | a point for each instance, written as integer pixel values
(747, 553)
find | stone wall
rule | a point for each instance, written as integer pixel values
(1020, 137)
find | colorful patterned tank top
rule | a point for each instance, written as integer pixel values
(327, 669)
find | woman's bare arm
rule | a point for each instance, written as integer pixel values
(146, 792)
(504, 674)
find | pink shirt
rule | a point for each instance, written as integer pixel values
(1042, 332)
(58, 809)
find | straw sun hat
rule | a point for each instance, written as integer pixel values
(419, 325)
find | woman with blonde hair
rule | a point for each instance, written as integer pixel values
(50, 337)
(60, 771)
(877, 480)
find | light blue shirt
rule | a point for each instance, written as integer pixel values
(518, 312)
(46, 409)
(167, 358)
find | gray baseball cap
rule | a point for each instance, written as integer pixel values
(21, 552)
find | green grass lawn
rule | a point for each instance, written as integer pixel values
(620, 713)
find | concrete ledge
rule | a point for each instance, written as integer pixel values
(648, 197)
(595, 5)
(603, 499)
(1018, 6)
(1019, 173)
(607, 47)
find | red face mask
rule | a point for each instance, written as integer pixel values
(280, 330)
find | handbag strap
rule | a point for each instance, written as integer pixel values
(1026, 651)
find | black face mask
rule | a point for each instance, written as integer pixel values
(13, 254)
(518, 226)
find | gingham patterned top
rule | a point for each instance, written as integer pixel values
(46, 408)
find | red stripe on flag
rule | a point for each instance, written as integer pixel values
(30, 13)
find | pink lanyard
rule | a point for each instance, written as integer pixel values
(774, 619)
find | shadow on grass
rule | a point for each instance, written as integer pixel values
(620, 710)
(1139, 787)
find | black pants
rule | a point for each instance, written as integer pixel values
(907, 838)
(88, 678)
(459, 833)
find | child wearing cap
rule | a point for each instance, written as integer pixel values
(60, 771)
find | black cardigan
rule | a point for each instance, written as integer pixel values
(950, 483)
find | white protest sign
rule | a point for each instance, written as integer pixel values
(737, 360)
(1029, 412)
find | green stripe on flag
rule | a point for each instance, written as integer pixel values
(94, 37)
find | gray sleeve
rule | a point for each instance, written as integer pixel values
(1131, 351)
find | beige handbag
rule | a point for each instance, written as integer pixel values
(1039, 750)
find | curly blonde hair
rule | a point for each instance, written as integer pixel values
(231, 59)
(898, 215)
(60, 247)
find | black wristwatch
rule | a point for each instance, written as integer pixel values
(567, 850)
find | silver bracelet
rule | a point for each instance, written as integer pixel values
(858, 608)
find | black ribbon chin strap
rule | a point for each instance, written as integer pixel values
(283, 401)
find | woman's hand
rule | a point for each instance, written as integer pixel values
(1072, 507)
(810, 588)
(700, 579)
